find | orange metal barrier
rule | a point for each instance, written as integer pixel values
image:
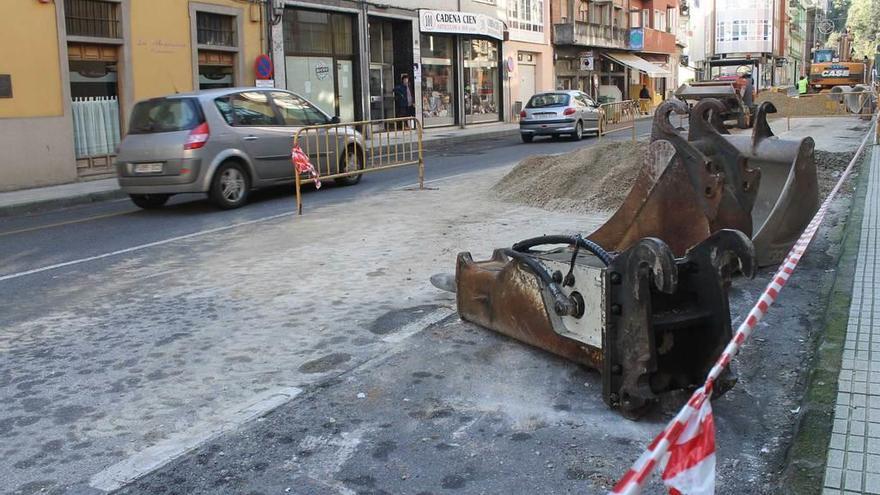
(618, 116)
(344, 152)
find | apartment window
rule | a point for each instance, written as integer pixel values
(720, 31)
(659, 20)
(671, 20)
(215, 29)
(646, 18)
(635, 19)
(93, 18)
(527, 15)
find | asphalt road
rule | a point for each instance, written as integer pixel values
(123, 328)
(33, 242)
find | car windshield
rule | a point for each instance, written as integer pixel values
(548, 100)
(165, 115)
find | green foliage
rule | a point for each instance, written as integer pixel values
(863, 19)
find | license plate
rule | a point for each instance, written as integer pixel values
(148, 168)
(545, 115)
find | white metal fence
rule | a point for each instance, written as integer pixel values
(95, 126)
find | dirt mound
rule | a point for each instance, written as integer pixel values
(829, 166)
(585, 181)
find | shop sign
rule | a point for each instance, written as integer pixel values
(636, 39)
(321, 70)
(443, 21)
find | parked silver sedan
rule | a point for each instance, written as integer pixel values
(559, 112)
(225, 142)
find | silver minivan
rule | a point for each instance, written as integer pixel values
(555, 113)
(224, 142)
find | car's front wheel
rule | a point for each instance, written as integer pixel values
(149, 201)
(527, 138)
(230, 186)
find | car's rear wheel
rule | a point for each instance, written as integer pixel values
(351, 161)
(527, 138)
(578, 131)
(149, 201)
(230, 186)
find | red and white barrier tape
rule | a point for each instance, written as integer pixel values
(696, 416)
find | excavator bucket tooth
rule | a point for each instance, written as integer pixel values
(649, 321)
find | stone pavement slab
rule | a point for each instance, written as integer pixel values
(854, 449)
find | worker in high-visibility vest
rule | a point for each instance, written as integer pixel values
(802, 85)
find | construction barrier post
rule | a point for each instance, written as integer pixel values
(421, 157)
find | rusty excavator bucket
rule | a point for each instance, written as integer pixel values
(643, 299)
(761, 185)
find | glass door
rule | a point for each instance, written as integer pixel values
(481, 77)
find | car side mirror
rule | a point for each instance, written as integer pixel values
(335, 119)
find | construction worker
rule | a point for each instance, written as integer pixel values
(802, 85)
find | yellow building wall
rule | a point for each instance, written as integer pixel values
(162, 51)
(29, 52)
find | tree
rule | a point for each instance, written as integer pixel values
(863, 19)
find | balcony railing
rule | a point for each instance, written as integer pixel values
(589, 34)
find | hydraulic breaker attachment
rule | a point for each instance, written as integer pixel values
(648, 321)
(695, 184)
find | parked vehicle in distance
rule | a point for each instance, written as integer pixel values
(224, 142)
(555, 113)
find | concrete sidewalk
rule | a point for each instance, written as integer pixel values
(854, 449)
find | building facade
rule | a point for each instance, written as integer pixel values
(611, 49)
(78, 66)
(88, 61)
(469, 61)
(755, 35)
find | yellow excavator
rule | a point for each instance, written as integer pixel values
(831, 67)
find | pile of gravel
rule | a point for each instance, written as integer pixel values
(829, 166)
(587, 180)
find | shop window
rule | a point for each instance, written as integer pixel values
(215, 29)
(438, 80)
(92, 18)
(307, 31)
(216, 69)
(481, 77)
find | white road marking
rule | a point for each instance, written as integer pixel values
(416, 185)
(153, 458)
(143, 246)
(417, 326)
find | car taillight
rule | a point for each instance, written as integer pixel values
(568, 111)
(197, 137)
(522, 114)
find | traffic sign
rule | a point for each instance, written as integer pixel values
(263, 67)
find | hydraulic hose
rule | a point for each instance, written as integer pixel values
(572, 240)
(562, 304)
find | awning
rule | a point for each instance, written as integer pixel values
(638, 63)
